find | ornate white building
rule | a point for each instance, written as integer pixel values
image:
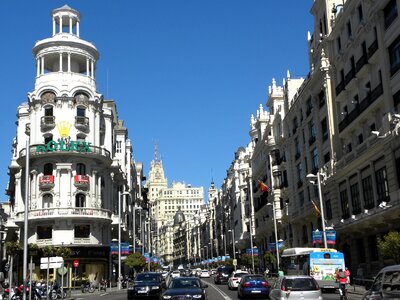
(80, 157)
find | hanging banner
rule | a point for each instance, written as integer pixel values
(331, 237)
(317, 237)
(272, 246)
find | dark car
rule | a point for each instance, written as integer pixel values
(186, 273)
(222, 274)
(185, 288)
(145, 285)
(253, 285)
(386, 284)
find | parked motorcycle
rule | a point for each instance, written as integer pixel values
(87, 288)
(18, 292)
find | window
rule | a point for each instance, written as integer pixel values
(48, 169)
(394, 56)
(355, 198)
(44, 232)
(80, 200)
(360, 13)
(82, 231)
(119, 147)
(48, 138)
(297, 148)
(301, 198)
(328, 209)
(339, 44)
(309, 106)
(48, 111)
(47, 201)
(311, 132)
(314, 159)
(321, 98)
(360, 250)
(349, 31)
(324, 129)
(81, 112)
(382, 187)
(305, 234)
(368, 193)
(360, 138)
(344, 203)
(299, 172)
(327, 157)
(390, 13)
(373, 248)
(80, 169)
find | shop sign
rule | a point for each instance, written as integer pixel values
(63, 145)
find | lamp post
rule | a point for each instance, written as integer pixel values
(25, 252)
(119, 235)
(321, 204)
(251, 217)
(276, 234)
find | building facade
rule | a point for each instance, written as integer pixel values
(81, 173)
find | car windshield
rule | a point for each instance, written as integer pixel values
(184, 284)
(147, 277)
(240, 274)
(300, 284)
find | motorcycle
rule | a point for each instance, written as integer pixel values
(103, 285)
(18, 292)
(87, 288)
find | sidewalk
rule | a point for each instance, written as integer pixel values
(356, 289)
(76, 294)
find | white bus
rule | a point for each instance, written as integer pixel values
(320, 263)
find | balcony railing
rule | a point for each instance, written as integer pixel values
(47, 122)
(46, 182)
(361, 62)
(372, 49)
(349, 76)
(62, 212)
(82, 123)
(364, 104)
(339, 88)
(82, 181)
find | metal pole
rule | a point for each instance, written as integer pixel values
(119, 240)
(276, 235)
(321, 204)
(134, 230)
(251, 218)
(148, 243)
(25, 260)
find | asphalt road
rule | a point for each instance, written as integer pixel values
(214, 292)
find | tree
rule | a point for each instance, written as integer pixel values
(389, 246)
(64, 252)
(135, 261)
(49, 251)
(12, 247)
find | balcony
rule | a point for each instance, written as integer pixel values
(46, 182)
(44, 242)
(82, 181)
(364, 104)
(339, 88)
(47, 123)
(65, 212)
(82, 123)
(349, 76)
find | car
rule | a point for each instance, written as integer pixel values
(386, 284)
(253, 285)
(222, 274)
(186, 273)
(175, 274)
(145, 285)
(235, 278)
(213, 271)
(295, 287)
(185, 288)
(205, 274)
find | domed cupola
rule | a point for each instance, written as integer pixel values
(65, 61)
(179, 217)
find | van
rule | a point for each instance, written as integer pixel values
(386, 284)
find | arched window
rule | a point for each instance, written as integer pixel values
(48, 169)
(80, 137)
(80, 169)
(80, 200)
(47, 201)
(81, 112)
(48, 138)
(48, 111)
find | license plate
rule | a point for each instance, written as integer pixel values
(329, 287)
(142, 292)
(256, 292)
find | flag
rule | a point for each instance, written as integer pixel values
(316, 208)
(263, 187)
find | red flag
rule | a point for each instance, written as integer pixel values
(263, 187)
(316, 208)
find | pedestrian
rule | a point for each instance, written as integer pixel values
(347, 273)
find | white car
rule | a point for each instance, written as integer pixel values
(205, 274)
(235, 278)
(175, 274)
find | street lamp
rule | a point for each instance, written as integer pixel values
(119, 235)
(25, 253)
(318, 178)
(276, 233)
(251, 217)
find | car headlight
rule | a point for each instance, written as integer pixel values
(197, 296)
(166, 297)
(155, 287)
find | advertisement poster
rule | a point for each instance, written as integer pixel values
(323, 265)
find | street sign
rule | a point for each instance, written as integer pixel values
(76, 263)
(51, 265)
(234, 262)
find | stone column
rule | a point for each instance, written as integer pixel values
(54, 26)
(77, 28)
(70, 194)
(92, 69)
(87, 67)
(60, 25)
(70, 25)
(42, 65)
(61, 62)
(69, 61)
(37, 67)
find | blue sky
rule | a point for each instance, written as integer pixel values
(185, 74)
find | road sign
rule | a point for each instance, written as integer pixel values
(234, 262)
(76, 263)
(55, 265)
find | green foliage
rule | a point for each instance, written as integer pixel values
(64, 252)
(247, 261)
(154, 266)
(389, 246)
(135, 261)
(12, 247)
(270, 258)
(49, 251)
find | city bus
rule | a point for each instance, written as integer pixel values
(320, 263)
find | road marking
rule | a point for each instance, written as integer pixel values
(223, 294)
